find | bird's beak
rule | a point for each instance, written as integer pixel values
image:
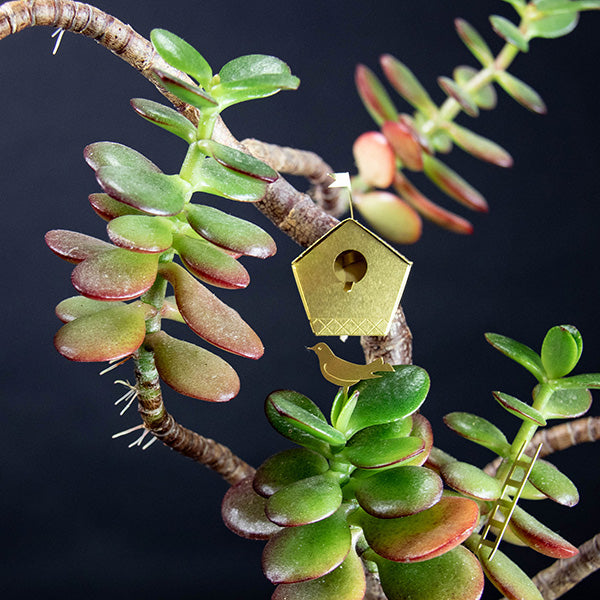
(311, 348)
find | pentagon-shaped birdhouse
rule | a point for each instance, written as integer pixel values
(350, 281)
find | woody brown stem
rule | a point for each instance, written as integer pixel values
(163, 426)
(559, 437)
(395, 348)
(292, 211)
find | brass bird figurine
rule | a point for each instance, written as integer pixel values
(343, 373)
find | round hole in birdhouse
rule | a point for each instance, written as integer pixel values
(350, 267)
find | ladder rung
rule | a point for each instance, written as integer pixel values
(513, 483)
(505, 502)
(523, 464)
(495, 523)
(488, 543)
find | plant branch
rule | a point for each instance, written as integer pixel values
(565, 574)
(395, 348)
(559, 437)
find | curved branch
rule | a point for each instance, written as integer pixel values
(559, 437)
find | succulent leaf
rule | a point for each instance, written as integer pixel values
(188, 92)
(111, 154)
(474, 42)
(209, 263)
(210, 318)
(308, 551)
(305, 501)
(290, 429)
(387, 453)
(79, 306)
(346, 582)
(552, 25)
(546, 478)
(560, 352)
(521, 92)
(404, 140)
(73, 246)
(109, 334)
(229, 232)
(140, 233)
(373, 95)
(108, 208)
(406, 84)
(539, 537)
(150, 192)
(374, 159)
(471, 481)
(479, 146)
(243, 512)
(455, 575)
(509, 32)
(424, 535)
(165, 117)
(399, 492)
(191, 370)
(486, 97)
(520, 353)
(464, 98)
(567, 404)
(453, 184)
(287, 467)
(390, 216)
(478, 430)
(389, 397)
(181, 55)
(422, 429)
(518, 408)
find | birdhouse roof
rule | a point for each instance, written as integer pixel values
(350, 281)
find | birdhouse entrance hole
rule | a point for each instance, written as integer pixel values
(350, 267)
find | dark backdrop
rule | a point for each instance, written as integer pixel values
(83, 516)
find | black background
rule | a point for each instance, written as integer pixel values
(83, 516)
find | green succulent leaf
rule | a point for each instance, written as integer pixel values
(191, 370)
(111, 154)
(79, 306)
(479, 146)
(422, 429)
(306, 552)
(108, 334)
(108, 208)
(289, 428)
(520, 353)
(454, 90)
(229, 232)
(342, 409)
(140, 233)
(73, 246)
(424, 535)
(305, 420)
(209, 263)
(455, 575)
(287, 467)
(505, 574)
(552, 25)
(478, 430)
(238, 161)
(399, 492)
(486, 97)
(305, 501)
(373, 435)
(346, 582)
(474, 42)
(521, 92)
(518, 408)
(453, 184)
(188, 92)
(509, 32)
(243, 512)
(213, 178)
(115, 274)
(388, 452)
(210, 318)
(471, 481)
(567, 404)
(181, 55)
(546, 478)
(539, 537)
(388, 398)
(152, 193)
(560, 351)
(165, 117)
(407, 85)
(373, 95)
(579, 382)
(253, 76)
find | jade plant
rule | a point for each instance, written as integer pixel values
(366, 505)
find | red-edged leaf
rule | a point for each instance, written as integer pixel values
(374, 159)
(424, 535)
(104, 154)
(471, 481)
(74, 247)
(243, 511)
(404, 141)
(79, 306)
(421, 428)
(141, 233)
(479, 146)
(455, 91)
(191, 370)
(108, 208)
(106, 335)
(210, 318)
(373, 94)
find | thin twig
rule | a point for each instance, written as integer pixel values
(559, 437)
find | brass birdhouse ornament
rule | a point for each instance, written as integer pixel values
(350, 280)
